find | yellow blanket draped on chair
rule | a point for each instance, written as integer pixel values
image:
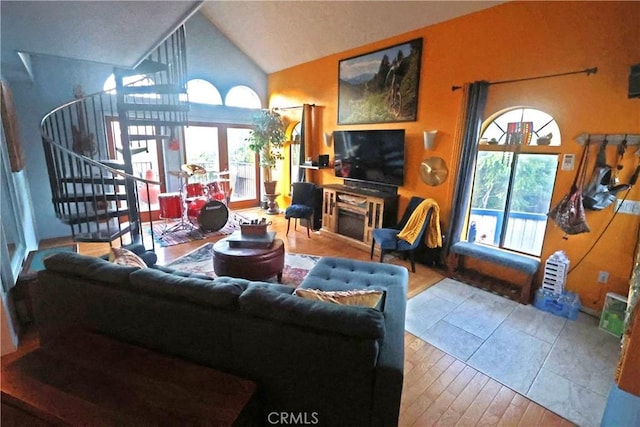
(433, 236)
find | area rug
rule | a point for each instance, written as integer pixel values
(200, 260)
(183, 236)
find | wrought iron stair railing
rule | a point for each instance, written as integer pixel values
(95, 186)
(87, 194)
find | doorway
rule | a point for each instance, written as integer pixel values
(222, 149)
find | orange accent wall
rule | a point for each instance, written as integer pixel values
(510, 41)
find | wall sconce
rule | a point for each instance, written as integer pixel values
(430, 139)
(327, 139)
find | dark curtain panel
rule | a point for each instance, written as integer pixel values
(306, 137)
(11, 130)
(475, 100)
(302, 172)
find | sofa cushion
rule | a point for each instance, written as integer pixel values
(366, 298)
(210, 292)
(261, 301)
(527, 264)
(149, 257)
(341, 274)
(181, 273)
(123, 256)
(92, 268)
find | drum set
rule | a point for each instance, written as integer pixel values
(197, 205)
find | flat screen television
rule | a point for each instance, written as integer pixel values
(370, 155)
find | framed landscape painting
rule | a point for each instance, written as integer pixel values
(381, 86)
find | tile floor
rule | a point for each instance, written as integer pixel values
(566, 366)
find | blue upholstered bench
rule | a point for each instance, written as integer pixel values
(525, 264)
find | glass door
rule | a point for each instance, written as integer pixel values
(243, 168)
(222, 150)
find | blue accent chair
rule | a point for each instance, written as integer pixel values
(387, 238)
(303, 199)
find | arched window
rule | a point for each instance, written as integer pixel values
(242, 96)
(202, 92)
(109, 85)
(514, 179)
(505, 127)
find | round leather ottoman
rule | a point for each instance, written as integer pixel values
(249, 263)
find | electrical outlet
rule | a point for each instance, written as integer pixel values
(603, 277)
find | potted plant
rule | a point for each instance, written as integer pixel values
(267, 139)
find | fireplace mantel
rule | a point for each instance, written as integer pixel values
(351, 213)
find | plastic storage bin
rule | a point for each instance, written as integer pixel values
(565, 304)
(613, 312)
(555, 272)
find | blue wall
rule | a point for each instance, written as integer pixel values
(211, 56)
(54, 80)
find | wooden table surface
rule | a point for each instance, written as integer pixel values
(93, 380)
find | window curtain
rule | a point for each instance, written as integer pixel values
(306, 132)
(10, 128)
(468, 132)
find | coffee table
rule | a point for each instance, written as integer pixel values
(249, 263)
(90, 379)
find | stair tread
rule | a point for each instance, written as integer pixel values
(157, 122)
(104, 235)
(91, 216)
(149, 66)
(90, 179)
(132, 107)
(134, 151)
(145, 67)
(162, 89)
(89, 197)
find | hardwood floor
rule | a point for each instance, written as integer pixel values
(438, 389)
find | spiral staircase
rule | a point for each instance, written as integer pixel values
(95, 189)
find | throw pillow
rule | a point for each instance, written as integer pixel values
(366, 298)
(123, 256)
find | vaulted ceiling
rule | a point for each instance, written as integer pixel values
(274, 34)
(110, 32)
(282, 34)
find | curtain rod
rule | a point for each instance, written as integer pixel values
(295, 107)
(587, 71)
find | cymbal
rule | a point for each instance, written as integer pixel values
(177, 173)
(433, 171)
(192, 169)
(218, 173)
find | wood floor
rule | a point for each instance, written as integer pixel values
(438, 389)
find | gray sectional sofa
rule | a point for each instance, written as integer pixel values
(335, 365)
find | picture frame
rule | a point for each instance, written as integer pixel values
(380, 86)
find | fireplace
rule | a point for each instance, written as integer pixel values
(351, 224)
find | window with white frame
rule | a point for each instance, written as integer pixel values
(242, 96)
(514, 179)
(202, 92)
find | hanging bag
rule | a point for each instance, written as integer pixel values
(569, 213)
(603, 187)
